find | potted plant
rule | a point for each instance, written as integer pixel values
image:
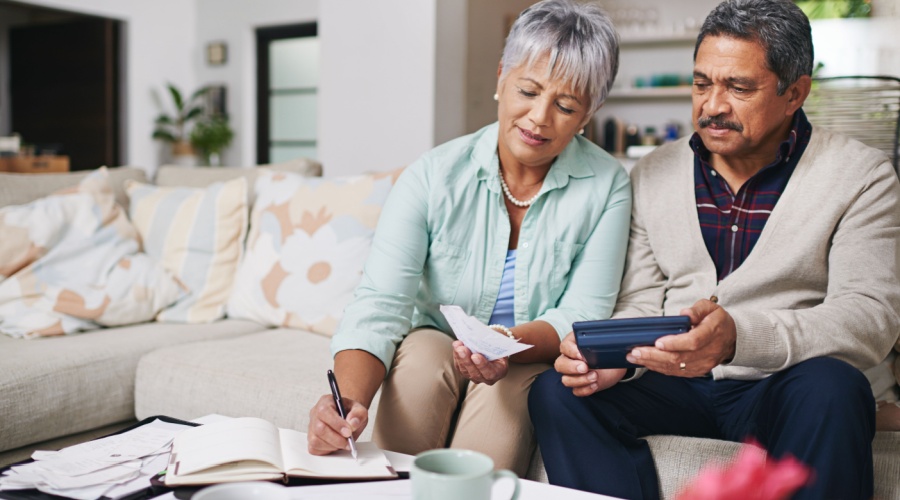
(211, 136)
(173, 128)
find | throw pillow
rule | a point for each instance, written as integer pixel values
(198, 235)
(309, 240)
(70, 262)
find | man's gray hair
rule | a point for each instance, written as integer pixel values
(580, 40)
(778, 26)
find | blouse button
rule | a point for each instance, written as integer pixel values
(734, 228)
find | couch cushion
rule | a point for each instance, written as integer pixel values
(16, 189)
(173, 175)
(51, 387)
(70, 262)
(679, 459)
(197, 234)
(277, 375)
(308, 242)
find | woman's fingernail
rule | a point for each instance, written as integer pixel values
(582, 368)
(630, 358)
(592, 376)
(636, 353)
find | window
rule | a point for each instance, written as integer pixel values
(287, 92)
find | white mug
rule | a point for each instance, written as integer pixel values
(449, 474)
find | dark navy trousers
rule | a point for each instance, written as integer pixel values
(820, 411)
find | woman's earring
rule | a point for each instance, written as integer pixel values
(581, 132)
(496, 97)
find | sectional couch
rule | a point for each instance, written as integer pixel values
(57, 390)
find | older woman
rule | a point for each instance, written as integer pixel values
(523, 224)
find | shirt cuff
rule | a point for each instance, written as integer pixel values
(633, 374)
(382, 349)
(757, 344)
(559, 323)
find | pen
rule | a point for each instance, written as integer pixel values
(336, 394)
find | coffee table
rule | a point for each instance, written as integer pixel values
(402, 490)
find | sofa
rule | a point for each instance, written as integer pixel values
(60, 390)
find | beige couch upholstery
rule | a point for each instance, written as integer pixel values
(57, 387)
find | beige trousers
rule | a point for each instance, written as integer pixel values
(426, 404)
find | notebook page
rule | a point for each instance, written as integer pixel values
(234, 440)
(299, 462)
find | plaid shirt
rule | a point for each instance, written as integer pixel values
(731, 223)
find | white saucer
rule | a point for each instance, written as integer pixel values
(243, 491)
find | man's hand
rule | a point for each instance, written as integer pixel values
(710, 343)
(577, 375)
(328, 432)
(476, 367)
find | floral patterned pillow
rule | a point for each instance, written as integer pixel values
(309, 240)
(71, 261)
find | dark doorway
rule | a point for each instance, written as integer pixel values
(286, 92)
(64, 89)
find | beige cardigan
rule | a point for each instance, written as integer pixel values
(822, 279)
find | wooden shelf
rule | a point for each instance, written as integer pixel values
(658, 39)
(34, 164)
(649, 93)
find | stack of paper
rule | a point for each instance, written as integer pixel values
(478, 337)
(113, 466)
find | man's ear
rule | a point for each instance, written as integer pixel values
(797, 93)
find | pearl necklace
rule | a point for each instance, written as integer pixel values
(515, 201)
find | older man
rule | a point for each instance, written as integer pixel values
(780, 241)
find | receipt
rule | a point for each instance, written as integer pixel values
(478, 337)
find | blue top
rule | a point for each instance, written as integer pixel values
(503, 309)
(443, 234)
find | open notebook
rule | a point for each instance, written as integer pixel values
(251, 449)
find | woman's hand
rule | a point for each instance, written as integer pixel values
(328, 432)
(578, 376)
(476, 367)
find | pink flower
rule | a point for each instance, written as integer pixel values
(751, 476)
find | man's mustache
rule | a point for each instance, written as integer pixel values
(720, 122)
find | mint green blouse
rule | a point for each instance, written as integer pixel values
(444, 231)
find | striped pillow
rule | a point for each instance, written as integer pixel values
(198, 235)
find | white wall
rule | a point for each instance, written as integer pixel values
(858, 46)
(487, 23)
(450, 70)
(161, 47)
(235, 22)
(376, 98)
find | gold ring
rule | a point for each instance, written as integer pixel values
(682, 366)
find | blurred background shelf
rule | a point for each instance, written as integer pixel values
(635, 40)
(34, 164)
(624, 94)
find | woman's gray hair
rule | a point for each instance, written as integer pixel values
(780, 28)
(579, 39)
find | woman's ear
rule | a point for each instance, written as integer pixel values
(499, 78)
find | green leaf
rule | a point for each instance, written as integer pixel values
(200, 92)
(176, 97)
(193, 113)
(164, 120)
(163, 135)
